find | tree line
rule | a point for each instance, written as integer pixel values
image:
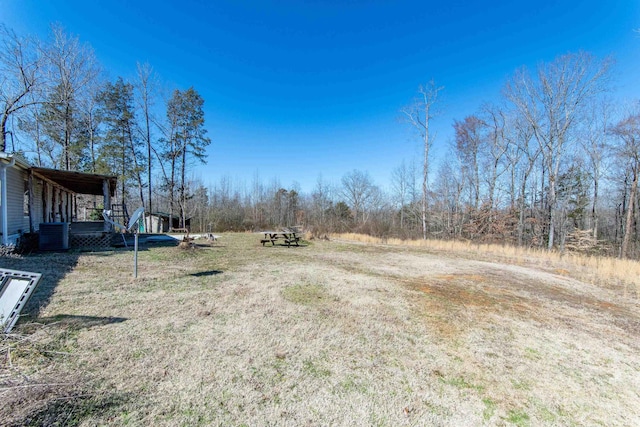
(551, 162)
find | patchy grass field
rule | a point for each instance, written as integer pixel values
(330, 333)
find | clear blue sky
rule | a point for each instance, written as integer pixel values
(297, 89)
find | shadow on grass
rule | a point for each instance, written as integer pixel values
(206, 273)
(51, 396)
(73, 321)
(293, 246)
(54, 407)
(53, 266)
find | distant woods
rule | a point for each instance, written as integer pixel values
(550, 162)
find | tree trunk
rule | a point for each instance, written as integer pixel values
(146, 116)
(172, 183)
(183, 199)
(624, 249)
(522, 207)
(67, 137)
(552, 209)
(476, 181)
(123, 171)
(594, 212)
(137, 168)
(425, 175)
(3, 132)
(92, 143)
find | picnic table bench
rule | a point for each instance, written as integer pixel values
(289, 237)
(179, 230)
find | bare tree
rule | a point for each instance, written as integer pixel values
(196, 205)
(497, 146)
(257, 199)
(402, 183)
(420, 115)
(20, 77)
(90, 121)
(72, 68)
(522, 160)
(552, 104)
(595, 143)
(449, 185)
(358, 189)
(29, 123)
(628, 131)
(146, 85)
(469, 141)
(320, 204)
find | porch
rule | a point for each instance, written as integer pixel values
(54, 199)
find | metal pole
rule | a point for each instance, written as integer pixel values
(135, 256)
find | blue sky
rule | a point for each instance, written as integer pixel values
(295, 90)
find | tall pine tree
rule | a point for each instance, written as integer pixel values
(187, 142)
(121, 153)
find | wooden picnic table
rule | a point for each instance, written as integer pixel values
(288, 236)
(179, 230)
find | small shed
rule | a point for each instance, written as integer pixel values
(162, 222)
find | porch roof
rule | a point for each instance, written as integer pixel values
(78, 182)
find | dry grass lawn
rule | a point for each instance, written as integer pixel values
(330, 333)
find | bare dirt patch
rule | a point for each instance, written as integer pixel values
(330, 333)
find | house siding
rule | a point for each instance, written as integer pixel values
(16, 221)
(49, 200)
(37, 208)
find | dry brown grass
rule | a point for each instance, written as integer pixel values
(621, 274)
(330, 333)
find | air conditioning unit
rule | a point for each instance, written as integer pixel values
(54, 236)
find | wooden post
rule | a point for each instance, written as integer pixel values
(67, 207)
(54, 200)
(31, 201)
(59, 201)
(64, 206)
(45, 201)
(106, 193)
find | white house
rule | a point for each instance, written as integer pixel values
(31, 195)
